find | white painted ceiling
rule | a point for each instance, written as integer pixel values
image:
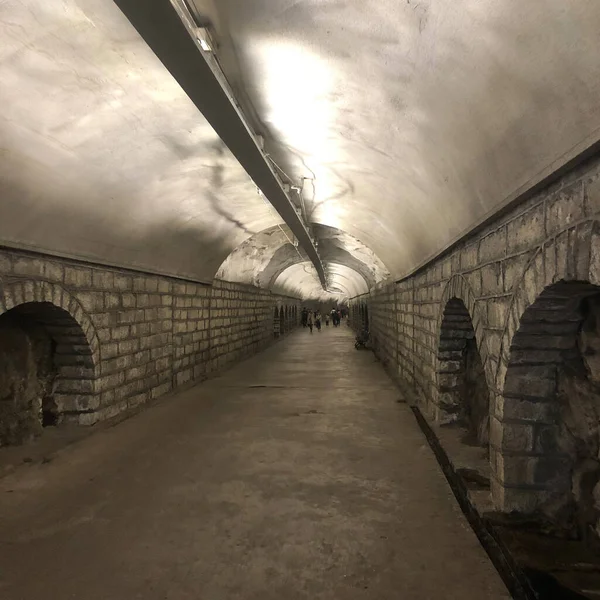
(411, 120)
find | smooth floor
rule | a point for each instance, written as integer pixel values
(297, 474)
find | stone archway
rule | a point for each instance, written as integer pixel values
(534, 468)
(51, 359)
(547, 437)
(463, 395)
(463, 373)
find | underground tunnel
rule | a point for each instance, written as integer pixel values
(185, 185)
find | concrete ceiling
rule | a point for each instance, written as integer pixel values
(414, 119)
(410, 120)
(104, 157)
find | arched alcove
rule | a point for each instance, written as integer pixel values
(47, 369)
(548, 434)
(276, 323)
(462, 392)
(281, 320)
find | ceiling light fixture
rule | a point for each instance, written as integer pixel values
(203, 36)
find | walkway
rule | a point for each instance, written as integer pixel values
(295, 475)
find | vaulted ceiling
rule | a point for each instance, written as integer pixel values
(405, 123)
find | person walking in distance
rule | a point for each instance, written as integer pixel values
(310, 320)
(318, 320)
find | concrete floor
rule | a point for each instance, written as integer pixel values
(294, 475)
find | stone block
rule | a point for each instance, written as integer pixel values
(468, 257)
(78, 277)
(580, 240)
(492, 246)
(136, 373)
(594, 275)
(142, 300)
(592, 196)
(139, 284)
(112, 300)
(151, 285)
(141, 329)
(128, 300)
(137, 400)
(122, 282)
(104, 335)
(493, 340)
(565, 208)
(104, 280)
(112, 381)
(547, 439)
(54, 271)
(5, 263)
(151, 314)
(165, 313)
(73, 386)
(516, 470)
(530, 381)
(27, 266)
(492, 279)
(497, 311)
(76, 402)
(563, 258)
(91, 301)
(161, 390)
(517, 409)
(517, 437)
(129, 346)
(527, 230)
(120, 333)
(109, 350)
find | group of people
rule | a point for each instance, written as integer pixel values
(313, 318)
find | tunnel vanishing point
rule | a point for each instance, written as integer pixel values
(180, 180)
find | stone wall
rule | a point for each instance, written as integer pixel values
(123, 338)
(521, 281)
(243, 321)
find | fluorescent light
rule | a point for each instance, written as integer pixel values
(204, 45)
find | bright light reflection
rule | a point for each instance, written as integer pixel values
(297, 84)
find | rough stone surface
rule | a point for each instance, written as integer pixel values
(123, 338)
(541, 254)
(26, 377)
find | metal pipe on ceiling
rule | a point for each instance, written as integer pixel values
(163, 29)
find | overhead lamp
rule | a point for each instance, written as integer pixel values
(203, 36)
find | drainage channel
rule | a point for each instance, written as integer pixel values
(515, 580)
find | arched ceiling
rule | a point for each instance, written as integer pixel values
(415, 119)
(262, 258)
(405, 123)
(301, 279)
(104, 157)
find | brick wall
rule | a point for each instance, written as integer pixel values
(498, 273)
(243, 321)
(123, 338)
